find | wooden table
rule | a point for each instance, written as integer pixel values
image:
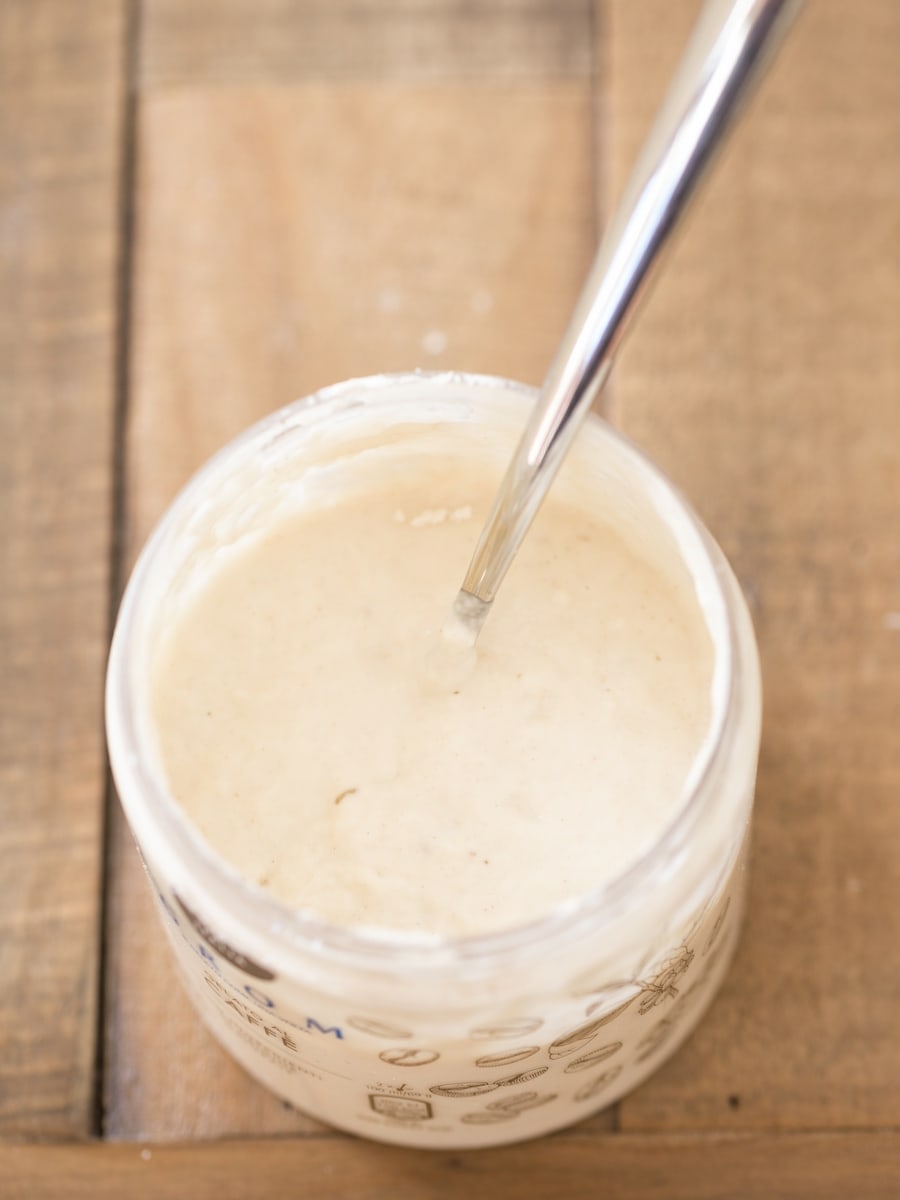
(209, 207)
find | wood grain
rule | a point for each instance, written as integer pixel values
(268, 41)
(764, 376)
(61, 96)
(620, 1167)
(287, 238)
(327, 189)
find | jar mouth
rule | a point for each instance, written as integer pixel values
(168, 836)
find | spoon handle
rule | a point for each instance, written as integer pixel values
(731, 44)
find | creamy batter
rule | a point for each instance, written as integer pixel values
(335, 750)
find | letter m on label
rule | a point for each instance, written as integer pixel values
(312, 1023)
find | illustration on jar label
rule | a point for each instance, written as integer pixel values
(719, 950)
(591, 1059)
(522, 1077)
(656, 1038)
(717, 928)
(615, 989)
(598, 1085)
(400, 1108)
(409, 1057)
(379, 1029)
(506, 1058)
(578, 1038)
(486, 1118)
(625, 1025)
(508, 1029)
(463, 1091)
(662, 986)
(508, 1108)
(652, 992)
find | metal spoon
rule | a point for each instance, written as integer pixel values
(729, 49)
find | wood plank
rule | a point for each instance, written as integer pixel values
(618, 1167)
(287, 238)
(61, 95)
(267, 41)
(764, 376)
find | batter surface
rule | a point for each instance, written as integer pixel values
(331, 747)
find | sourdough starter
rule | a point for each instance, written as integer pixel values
(338, 752)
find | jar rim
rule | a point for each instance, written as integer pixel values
(166, 831)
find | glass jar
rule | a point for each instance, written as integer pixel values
(419, 1039)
